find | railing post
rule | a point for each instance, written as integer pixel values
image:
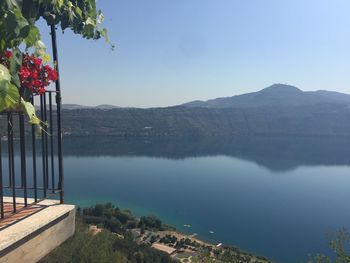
(23, 158)
(58, 112)
(43, 146)
(12, 177)
(34, 160)
(1, 186)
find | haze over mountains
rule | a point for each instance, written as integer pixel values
(77, 106)
(277, 95)
(276, 110)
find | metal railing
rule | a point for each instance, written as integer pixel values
(31, 161)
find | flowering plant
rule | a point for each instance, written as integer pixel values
(34, 76)
(23, 75)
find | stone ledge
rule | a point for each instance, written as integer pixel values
(32, 238)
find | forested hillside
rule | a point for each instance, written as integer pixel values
(320, 119)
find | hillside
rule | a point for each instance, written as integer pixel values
(276, 110)
(277, 95)
(329, 120)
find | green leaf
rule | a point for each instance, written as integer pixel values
(33, 36)
(9, 96)
(21, 23)
(40, 48)
(15, 64)
(78, 12)
(29, 109)
(12, 3)
(60, 3)
(89, 21)
(4, 73)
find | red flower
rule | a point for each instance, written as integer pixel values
(37, 61)
(8, 54)
(37, 83)
(34, 74)
(52, 75)
(41, 91)
(24, 73)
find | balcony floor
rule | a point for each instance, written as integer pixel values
(22, 213)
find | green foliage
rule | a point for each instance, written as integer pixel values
(84, 247)
(29, 109)
(151, 222)
(140, 253)
(18, 18)
(109, 216)
(168, 239)
(115, 219)
(106, 246)
(18, 27)
(340, 245)
(9, 95)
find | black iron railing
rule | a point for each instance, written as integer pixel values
(31, 161)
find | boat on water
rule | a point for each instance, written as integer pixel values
(211, 232)
(187, 225)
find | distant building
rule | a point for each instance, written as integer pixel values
(164, 248)
(135, 232)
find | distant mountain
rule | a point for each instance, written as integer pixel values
(74, 106)
(106, 107)
(77, 106)
(336, 96)
(277, 95)
(276, 110)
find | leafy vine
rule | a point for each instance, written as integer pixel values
(19, 34)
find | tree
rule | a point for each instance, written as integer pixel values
(340, 245)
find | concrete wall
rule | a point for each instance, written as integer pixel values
(58, 226)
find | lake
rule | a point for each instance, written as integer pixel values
(278, 197)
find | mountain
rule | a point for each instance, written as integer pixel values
(276, 110)
(77, 106)
(74, 106)
(314, 120)
(277, 95)
(339, 97)
(106, 107)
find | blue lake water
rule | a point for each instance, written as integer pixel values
(276, 197)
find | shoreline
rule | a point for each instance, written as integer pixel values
(178, 244)
(192, 248)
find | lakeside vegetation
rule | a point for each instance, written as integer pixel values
(340, 246)
(113, 243)
(105, 233)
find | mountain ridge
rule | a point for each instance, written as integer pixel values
(281, 95)
(278, 92)
(277, 110)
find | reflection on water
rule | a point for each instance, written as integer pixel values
(274, 153)
(275, 197)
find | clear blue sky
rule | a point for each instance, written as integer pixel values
(173, 51)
